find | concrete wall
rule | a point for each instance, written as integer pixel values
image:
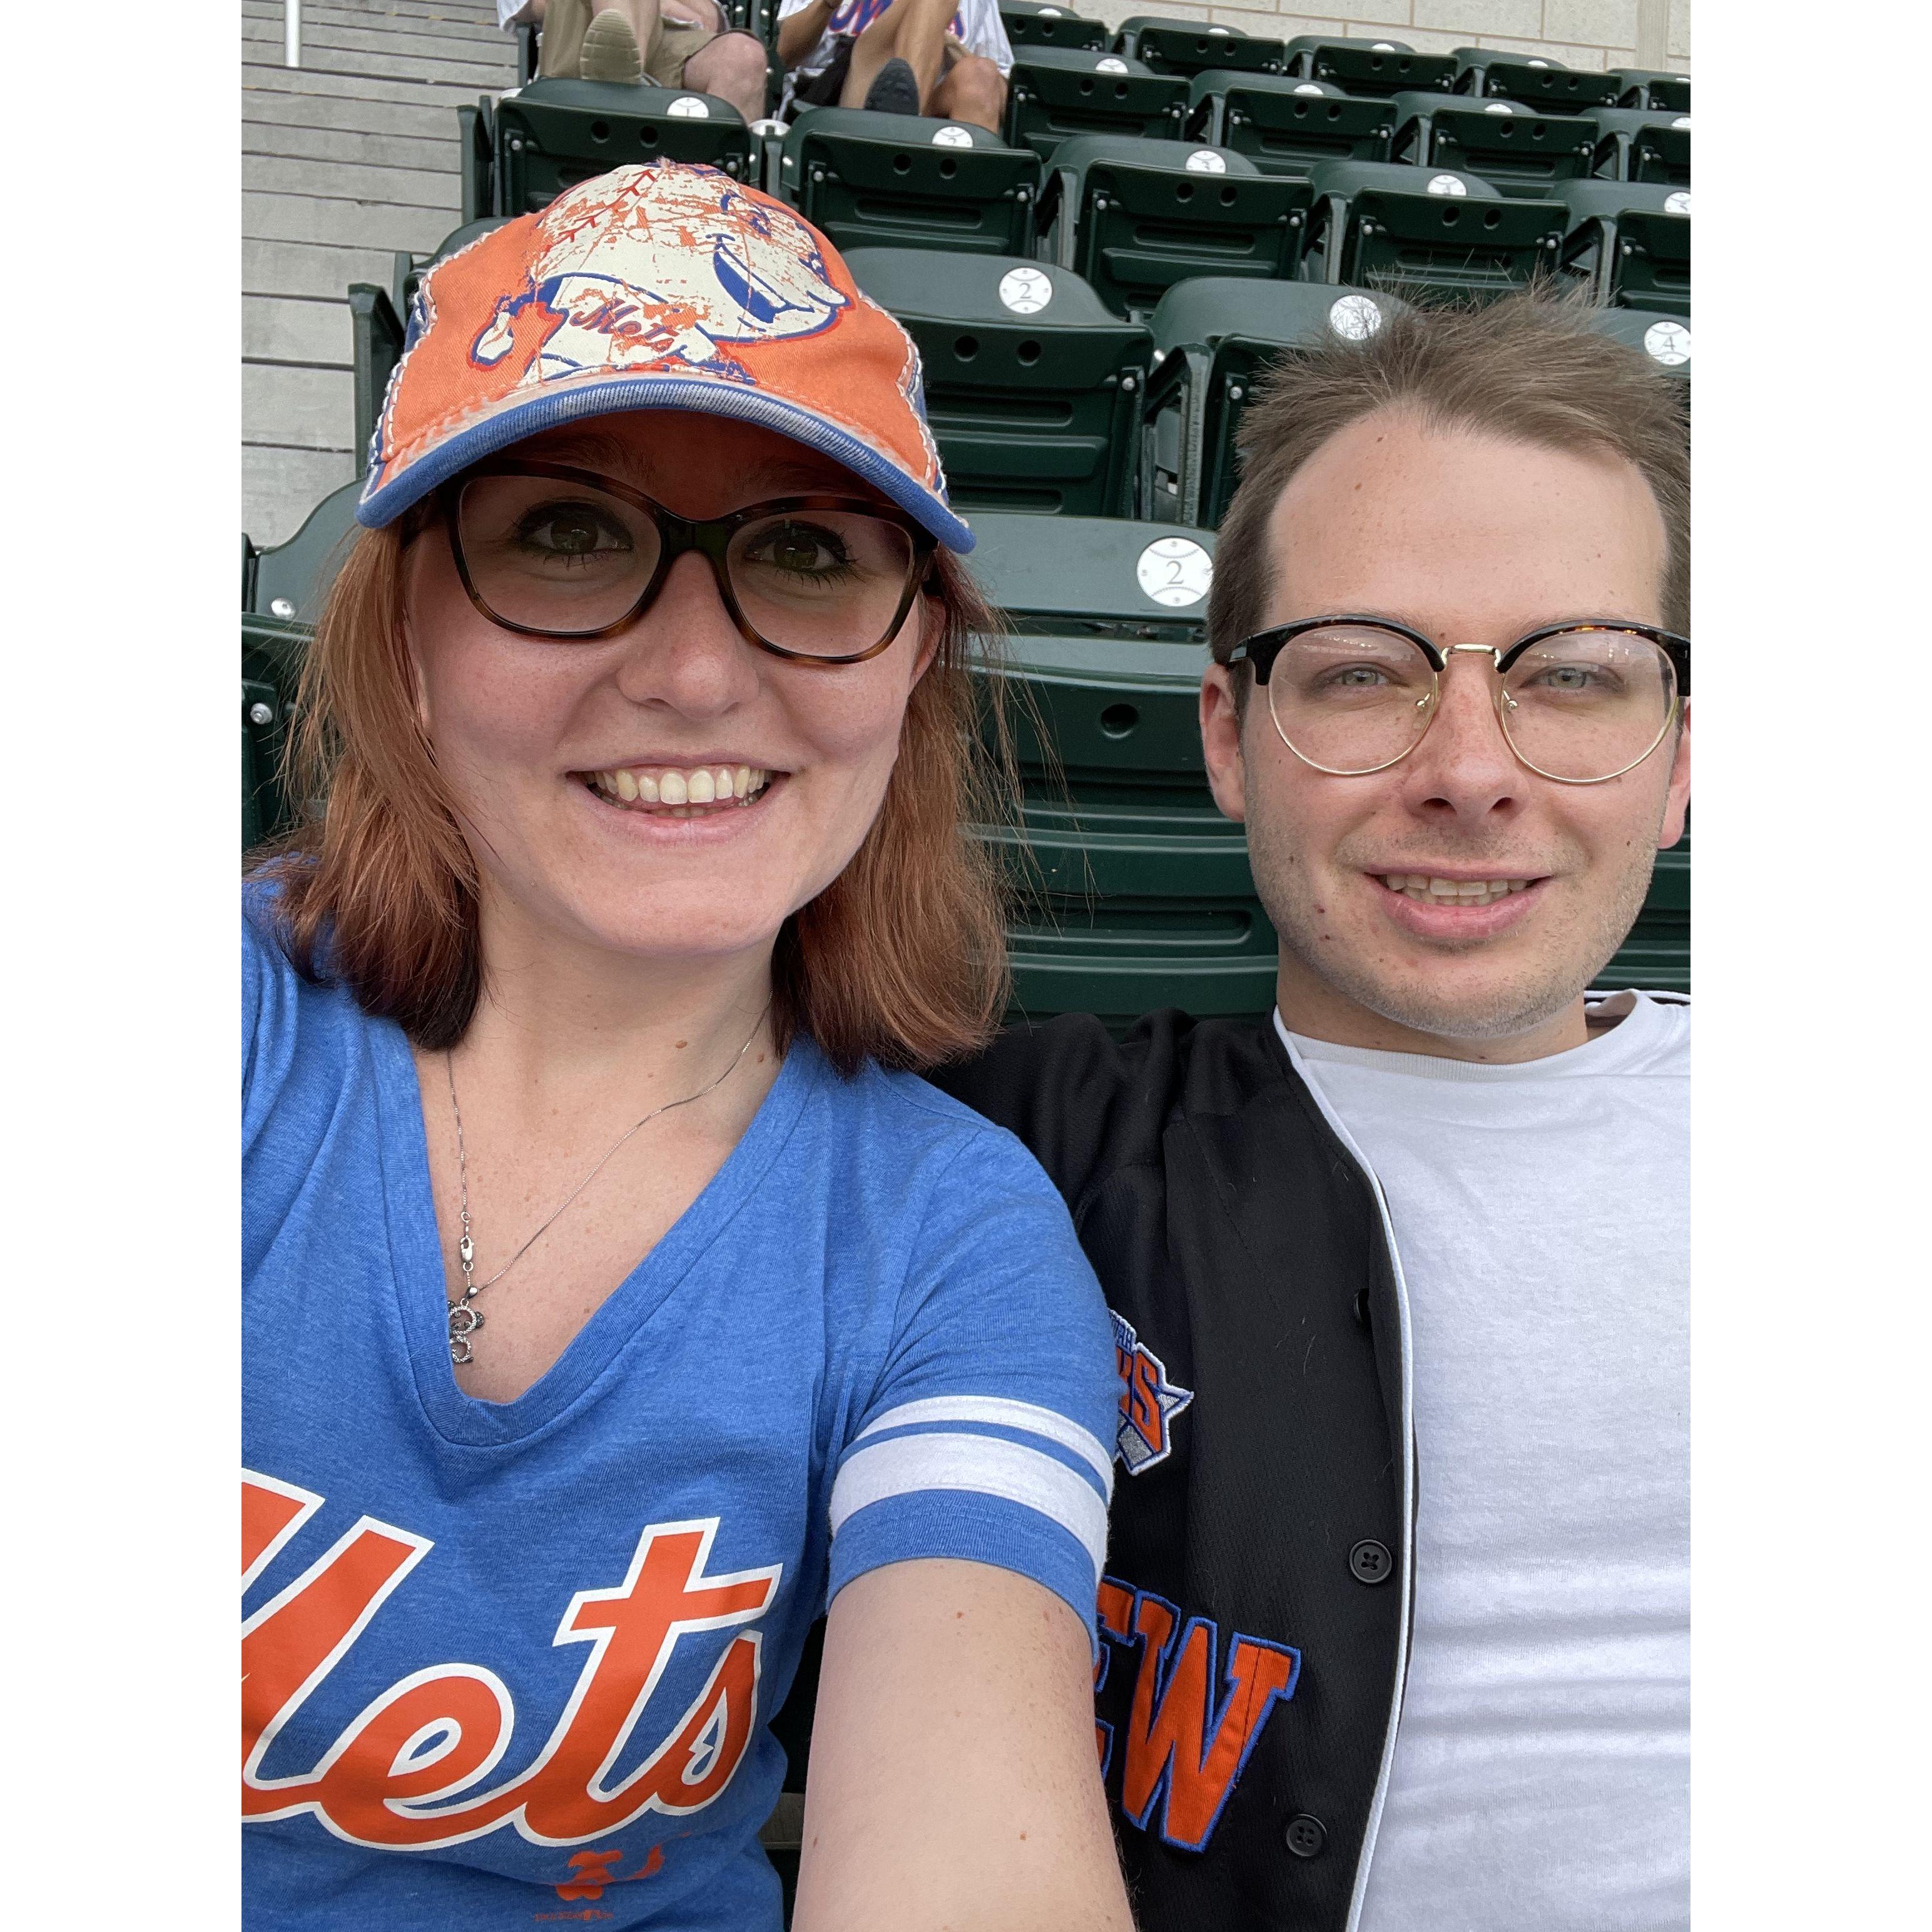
(1579, 33)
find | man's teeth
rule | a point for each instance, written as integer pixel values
(683, 787)
(1453, 891)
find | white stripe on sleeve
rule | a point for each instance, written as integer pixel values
(985, 1465)
(1004, 1413)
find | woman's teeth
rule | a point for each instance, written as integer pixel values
(685, 790)
(1453, 891)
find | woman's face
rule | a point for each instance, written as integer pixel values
(554, 750)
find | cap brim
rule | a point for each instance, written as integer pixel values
(384, 501)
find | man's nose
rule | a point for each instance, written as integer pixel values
(1464, 766)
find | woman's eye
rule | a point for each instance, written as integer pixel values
(802, 549)
(571, 530)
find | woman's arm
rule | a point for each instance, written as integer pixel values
(799, 33)
(955, 1782)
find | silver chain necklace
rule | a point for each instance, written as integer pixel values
(464, 1321)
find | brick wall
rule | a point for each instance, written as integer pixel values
(1579, 33)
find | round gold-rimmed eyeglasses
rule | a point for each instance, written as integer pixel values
(1581, 703)
(549, 551)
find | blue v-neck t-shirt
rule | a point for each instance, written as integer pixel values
(511, 1664)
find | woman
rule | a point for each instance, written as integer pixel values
(608, 1307)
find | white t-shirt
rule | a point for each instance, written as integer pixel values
(977, 24)
(1541, 1779)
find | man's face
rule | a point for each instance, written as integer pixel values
(1470, 540)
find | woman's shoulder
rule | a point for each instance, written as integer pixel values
(924, 1125)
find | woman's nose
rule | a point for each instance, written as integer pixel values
(686, 650)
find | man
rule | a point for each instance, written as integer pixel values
(686, 44)
(898, 57)
(1397, 1617)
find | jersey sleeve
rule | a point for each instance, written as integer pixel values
(987, 1436)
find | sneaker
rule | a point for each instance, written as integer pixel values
(610, 50)
(895, 91)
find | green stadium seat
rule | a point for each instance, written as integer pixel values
(1547, 86)
(476, 156)
(376, 346)
(1433, 231)
(1665, 339)
(1192, 46)
(290, 582)
(1032, 388)
(1642, 144)
(1520, 151)
(1656, 954)
(1214, 338)
(554, 133)
(1054, 93)
(1285, 126)
(905, 181)
(1372, 68)
(1631, 240)
(1135, 217)
(1136, 890)
(1664, 93)
(1029, 25)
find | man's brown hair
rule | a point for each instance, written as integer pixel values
(902, 959)
(1528, 367)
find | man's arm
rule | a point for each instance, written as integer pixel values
(954, 1782)
(799, 33)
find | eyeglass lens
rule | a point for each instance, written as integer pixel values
(564, 558)
(1582, 705)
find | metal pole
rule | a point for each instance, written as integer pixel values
(292, 34)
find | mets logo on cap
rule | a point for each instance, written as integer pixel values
(667, 286)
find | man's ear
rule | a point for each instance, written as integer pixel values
(1221, 740)
(1677, 799)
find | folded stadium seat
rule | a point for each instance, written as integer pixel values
(1033, 388)
(1631, 240)
(1191, 47)
(1430, 230)
(283, 591)
(1642, 144)
(1665, 339)
(1375, 69)
(1213, 338)
(476, 156)
(1054, 93)
(1135, 892)
(554, 133)
(1639, 87)
(1135, 217)
(1030, 25)
(1545, 85)
(1520, 151)
(1656, 954)
(904, 180)
(1285, 126)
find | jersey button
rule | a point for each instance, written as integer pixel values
(1305, 1836)
(1370, 1562)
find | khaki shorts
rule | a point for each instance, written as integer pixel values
(671, 46)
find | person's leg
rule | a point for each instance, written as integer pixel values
(620, 40)
(561, 43)
(970, 89)
(913, 31)
(733, 66)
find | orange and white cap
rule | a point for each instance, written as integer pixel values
(661, 287)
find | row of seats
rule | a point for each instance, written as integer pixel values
(1135, 892)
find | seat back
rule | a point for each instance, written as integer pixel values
(1642, 144)
(1521, 153)
(1632, 239)
(1545, 84)
(1665, 339)
(1136, 217)
(1191, 47)
(1028, 24)
(1215, 338)
(1054, 93)
(1033, 388)
(1369, 68)
(1428, 231)
(1663, 93)
(553, 134)
(904, 180)
(1135, 891)
(1286, 126)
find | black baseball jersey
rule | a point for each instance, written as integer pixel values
(1255, 1613)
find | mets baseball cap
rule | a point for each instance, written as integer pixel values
(661, 287)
